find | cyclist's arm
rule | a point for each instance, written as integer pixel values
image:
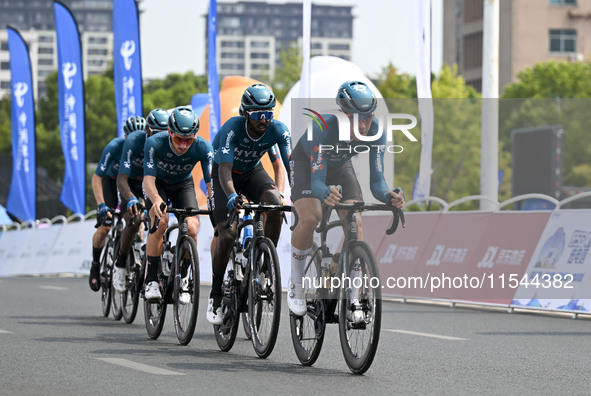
(274, 156)
(377, 183)
(123, 186)
(285, 150)
(225, 177)
(97, 189)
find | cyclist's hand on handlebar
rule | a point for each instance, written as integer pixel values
(132, 206)
(103, 210)
(234, 202)
(396, 197)
(334, 197)
(158, 208)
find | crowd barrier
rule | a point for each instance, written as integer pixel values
(526, 259)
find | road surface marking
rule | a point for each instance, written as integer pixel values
(139, 366)
(59, 288)
(417, 333)
(5, 332)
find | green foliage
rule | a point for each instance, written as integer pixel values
(174, 90)
(289, 74)
(5, 128)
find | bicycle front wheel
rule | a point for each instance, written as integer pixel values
(133, 286)
(307, 331)
(154, 315)
(186, 290)
(106, 274)
(116, 296)
(264, 297)
(360, 309)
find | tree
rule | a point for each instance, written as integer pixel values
(557, 94)
(289, 73)
(172, 91)
(5, 126)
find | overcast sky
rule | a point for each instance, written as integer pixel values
(173, 35)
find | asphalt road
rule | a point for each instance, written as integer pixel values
(55, 341)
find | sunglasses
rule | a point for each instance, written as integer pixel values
(361, 117)
(265, 115)
(182, 140)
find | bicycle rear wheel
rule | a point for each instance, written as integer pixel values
(186, 290)
(246, 326)
(225, 334)
(360, 314)
(106, 274)
(264, 297)
(307, 331)
(133, 287)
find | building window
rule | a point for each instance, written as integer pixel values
(259, 55)
(97, 40)
(4, 65)
(4, 84)
(232, 44)
(45, 62)
(472, 51)
(343, 47)
(4, 46)
(259, 44)
(45, 39)
(45, 50)
(563, 2)
(563, 40)
(97, 51)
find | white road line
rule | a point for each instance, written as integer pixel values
(5, 332)
(58, 288)
(139, 366)
(417, 333)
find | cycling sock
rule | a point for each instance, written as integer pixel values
(216, 284)
(153, 265)
(96, 254)
(298, 261)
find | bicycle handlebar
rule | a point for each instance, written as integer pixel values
(186, 212)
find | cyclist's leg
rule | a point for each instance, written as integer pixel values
(184, 197)
(351, 191)
(222, 248)
(98, 239)
(154, 242)
(258, 186)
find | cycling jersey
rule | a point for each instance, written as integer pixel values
(109, 162)
(273, 151)
(326, 151)
(234, 145)
(132, 156)
(163, 163)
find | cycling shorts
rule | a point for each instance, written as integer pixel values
(251, 184)
(181, 195)
(343, 175)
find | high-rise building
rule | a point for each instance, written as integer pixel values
(34, 19)
(531, 31)
(251, 35)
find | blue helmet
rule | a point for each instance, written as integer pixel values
(356, 97)
(157, 120)
(183, 121)
(133, 124)
(257, 97)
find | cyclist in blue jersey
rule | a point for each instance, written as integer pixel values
(315, 165)
(129, 183)
(169, 159)
(104, 187)
(237, 169)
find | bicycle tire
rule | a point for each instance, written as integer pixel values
(106, 272)
(307, 331)
(225, 334)
(133, 286)
(115, 295)
(359, 340)
(185, 315)
(246, 325)
(264, 297)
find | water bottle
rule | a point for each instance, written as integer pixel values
(246, 232)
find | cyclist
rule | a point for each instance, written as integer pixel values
(237, 169)
(169, 158)
(104, 187)
(129, 182)
(314, 167)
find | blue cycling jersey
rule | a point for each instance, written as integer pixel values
(326, 151)
(234, 145)
(132, 156)
(109, 162)
(163, 163)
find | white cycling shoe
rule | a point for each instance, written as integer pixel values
(295, 298)
(356, 316)
(119, 279)
(184, 295)
(214, 315)
(152, 291)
